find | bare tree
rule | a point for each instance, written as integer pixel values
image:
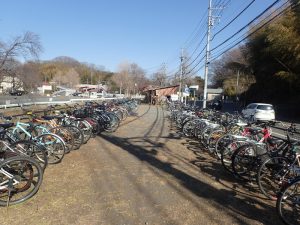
(25, 46)
(232, 72)
(30, 76)
(160, 78)
(138, 76)
(71, 78)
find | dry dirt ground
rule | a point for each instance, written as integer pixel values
(145, 173)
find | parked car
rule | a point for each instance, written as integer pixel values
(76, 93)
(17, 92)
(95, 95)
(214, 104)
(259, 112)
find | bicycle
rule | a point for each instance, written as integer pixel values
(52, 143)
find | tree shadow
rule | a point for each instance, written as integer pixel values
(218, 173)
(137, 117)
(244, 205)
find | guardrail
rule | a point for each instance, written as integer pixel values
(51, 102)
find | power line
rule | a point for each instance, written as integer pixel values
(283, 11)
(248, 24)
(201, 60)
(238, 15)
(197, 30)
(248, 35)
(190, 40)
(243, 35)
(219, 5)
(257, 29)
(196, 57)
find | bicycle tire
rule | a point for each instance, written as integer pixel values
(226, 154)
(66, 135)
(289, 193)
(243, 162)
(113, 124)
(32, 150)
(85, 128)
(54, 145)
(77, 134)
(16, 167)
(213, 138)
(270, 176)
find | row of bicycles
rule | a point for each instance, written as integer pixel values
(33, 140)
(250, 153)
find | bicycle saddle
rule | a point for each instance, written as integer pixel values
(274, 141)
(6, 125)
(254, 130)
(51, 117)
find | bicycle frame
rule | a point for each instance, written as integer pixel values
(44, 130)
(4, 185)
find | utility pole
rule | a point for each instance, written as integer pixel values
(207, 58)
(181, 75)
(91, 77)
(164, 74)
(237, 85)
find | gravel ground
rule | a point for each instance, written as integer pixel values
(145, 173)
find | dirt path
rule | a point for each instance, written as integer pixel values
(142, 174)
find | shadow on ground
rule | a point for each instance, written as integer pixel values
(245, 205)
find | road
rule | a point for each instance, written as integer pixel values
(145, 173)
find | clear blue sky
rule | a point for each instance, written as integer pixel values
(107, 33)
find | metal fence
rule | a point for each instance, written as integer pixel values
(17, 102)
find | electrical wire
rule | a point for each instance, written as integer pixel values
(257, 29)
(237, 16)
(247, 25)
(245, 34)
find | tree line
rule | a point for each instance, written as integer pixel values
(19, 59)
(266, 68)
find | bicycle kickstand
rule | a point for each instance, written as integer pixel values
(10, 185)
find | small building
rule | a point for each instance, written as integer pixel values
(9, 83)
(45, 89)
(214, 94)
(91, 87)
(156, 94)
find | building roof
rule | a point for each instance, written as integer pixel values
(166, 87)
(153, 88)
(214, 90)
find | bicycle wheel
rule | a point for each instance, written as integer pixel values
(221, 143)
(113, 123)
(119, 114)
(32, 150)
(20, 179)
(272, 174)
(54, 145)
(124, 113)
(226, 154)
(288, 203)
(95, 125)
(213, 138)
(66, 135)
(85, 128)
(77, 134)
(188, 128)
(244, 162)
